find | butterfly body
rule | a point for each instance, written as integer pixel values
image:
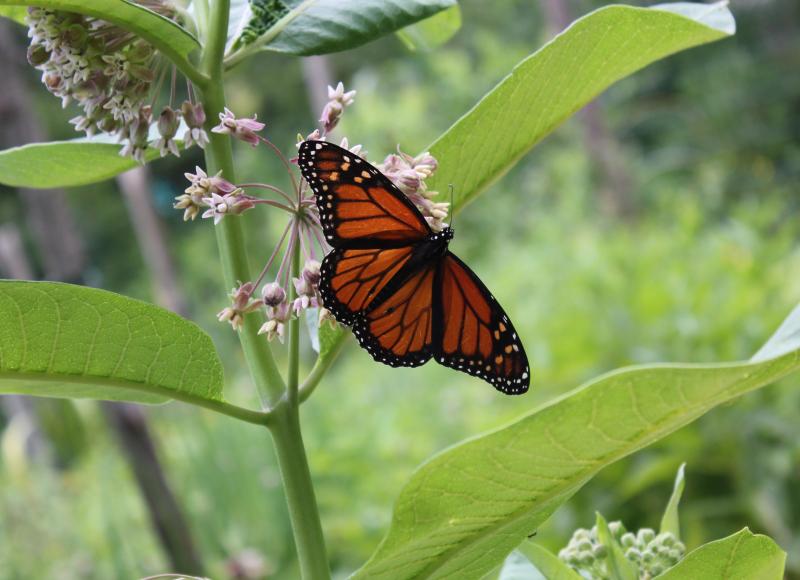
(394, 280)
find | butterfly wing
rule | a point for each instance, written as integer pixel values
(398, 329)
(351, 278)
(474, 334)
(359, 207)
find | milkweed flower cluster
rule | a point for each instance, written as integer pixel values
(652, 553)
(287, 294)
(113, 76)
(409, 175)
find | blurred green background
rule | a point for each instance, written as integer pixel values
(660, 224)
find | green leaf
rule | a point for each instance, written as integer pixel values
(467, 507)
(432, 32)
(742, 556)
(15, 13)
(619, 567)
(669, 521)
(547, 563)
(60, 340)
(330, 339)
(307, 27)
(172, 40)
(547, 87)
(65, 163)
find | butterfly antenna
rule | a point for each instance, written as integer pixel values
(452, 210)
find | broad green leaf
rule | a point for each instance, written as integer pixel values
(306, 27)
(15, 13)
(172, 40)
(547, 87)
(619, 567)
(469, 506)
(742, 556)
(65, 163)
(670, 521)
(60, 340)
(432, 32)
(547, 563)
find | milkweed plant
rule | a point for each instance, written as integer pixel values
(147, 79)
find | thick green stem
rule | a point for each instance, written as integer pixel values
(284, 421)
(293, 379)
(299, 493)
(230, 237)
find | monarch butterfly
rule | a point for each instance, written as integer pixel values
(392, 278)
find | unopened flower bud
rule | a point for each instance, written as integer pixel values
(193, 114)
(311, 273)
(168, 122)
(633, 554)
(616, 528)
(645, 536)
(627, 540)
(273, 294)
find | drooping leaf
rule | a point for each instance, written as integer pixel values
(785, 339)
(742, 556)
(670, 521)
(61, 340)
(65, 163)
(306, 27)
(619, 567)
(432, 32)
(172, 40)
(518, 567)
(547, 87)
(465, 509)
(547, 563)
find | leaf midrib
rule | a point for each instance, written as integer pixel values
(218, 404)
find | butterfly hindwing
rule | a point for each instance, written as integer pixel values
(358, 205)
(473, 334)
(351, 278)
(398, 330)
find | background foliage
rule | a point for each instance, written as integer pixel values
(679, 248)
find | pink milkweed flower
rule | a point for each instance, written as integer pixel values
(241, 305)
(243, 129)
(338, 99)
(277, 317)
(231, 204)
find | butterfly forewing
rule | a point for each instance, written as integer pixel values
(358, 205)
(475, 335)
